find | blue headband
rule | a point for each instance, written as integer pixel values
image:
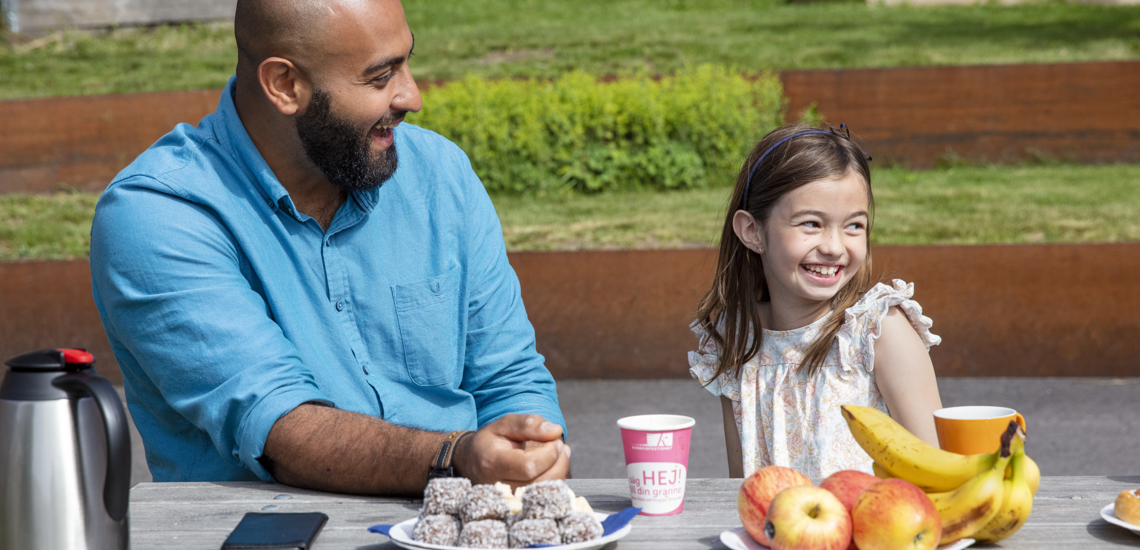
(842, 132)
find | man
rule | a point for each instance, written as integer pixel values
(303, 288)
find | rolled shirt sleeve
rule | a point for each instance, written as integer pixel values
(171, 282)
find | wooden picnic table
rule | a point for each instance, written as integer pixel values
(1066, 514)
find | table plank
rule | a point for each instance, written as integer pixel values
(200, 515)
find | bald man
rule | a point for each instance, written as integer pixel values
(305, 288)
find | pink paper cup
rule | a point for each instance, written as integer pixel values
(657, 461)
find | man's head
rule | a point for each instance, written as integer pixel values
(337, 72)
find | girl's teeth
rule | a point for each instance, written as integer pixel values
(824, 271)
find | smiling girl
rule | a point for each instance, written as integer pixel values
(794, 326)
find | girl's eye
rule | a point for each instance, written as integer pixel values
(855, 226)
(812, 225)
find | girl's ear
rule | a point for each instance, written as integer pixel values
(747, 230)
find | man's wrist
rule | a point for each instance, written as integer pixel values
(460, 454)
(443, 462)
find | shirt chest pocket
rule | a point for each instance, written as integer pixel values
(429, 314)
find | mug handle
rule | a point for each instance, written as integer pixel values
(1020, 421)
(117, 483)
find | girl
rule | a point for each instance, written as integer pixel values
(792, 327)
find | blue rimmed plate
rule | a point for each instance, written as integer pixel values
(401, 533)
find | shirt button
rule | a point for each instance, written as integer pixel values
(435, 287)
(327, 243)
(365, 367)
(339, 305)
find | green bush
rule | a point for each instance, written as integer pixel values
(688, 130)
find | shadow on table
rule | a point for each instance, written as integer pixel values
(712, 542)
(1135, 480)
(1107, 532)
(385, 545)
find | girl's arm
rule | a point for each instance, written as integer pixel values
(905, 376)
(732, 440)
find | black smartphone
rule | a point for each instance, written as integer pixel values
(287, 530)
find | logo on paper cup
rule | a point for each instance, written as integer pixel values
(655, 442)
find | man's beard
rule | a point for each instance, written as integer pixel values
(339, 150)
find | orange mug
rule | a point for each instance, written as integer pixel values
(973, 430)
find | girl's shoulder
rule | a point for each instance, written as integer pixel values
(863, 321)
(705, 361)
(881, 297)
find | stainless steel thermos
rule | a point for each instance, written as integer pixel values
(65, 455)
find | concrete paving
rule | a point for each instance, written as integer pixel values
(1077, 426)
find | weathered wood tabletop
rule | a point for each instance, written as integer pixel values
(1066, 514)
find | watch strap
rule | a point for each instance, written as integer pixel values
(441, 466)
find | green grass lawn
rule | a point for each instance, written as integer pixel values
(546, 38)
(960, 205)
(45, 227)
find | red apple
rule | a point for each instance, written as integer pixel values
(803, 518)
(894, 514)
(757, 492)
(847, 485)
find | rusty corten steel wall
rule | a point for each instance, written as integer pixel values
(915, 116)
(49, 305)
(84, 141)
(1084, 111)
(1002, 310)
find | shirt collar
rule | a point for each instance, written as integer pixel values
(232, 136)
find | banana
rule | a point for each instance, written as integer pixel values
(905, 456)
(1017, 502)
(880, 471)
(1032, 474)
(974, 505)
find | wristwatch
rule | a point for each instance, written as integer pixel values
(441, 466)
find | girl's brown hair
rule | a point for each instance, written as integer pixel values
(728, 313)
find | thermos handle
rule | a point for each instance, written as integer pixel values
(117, 485)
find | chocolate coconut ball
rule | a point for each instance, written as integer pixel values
(439, 529)
(579, 527)
(444, 495)
(534, 531)
(547, 500)
(488, 533)
(484, 502)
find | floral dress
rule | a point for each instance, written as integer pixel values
(787, 418)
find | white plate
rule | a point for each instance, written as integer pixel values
(1109, 515)
(739, 539)
(401, 534)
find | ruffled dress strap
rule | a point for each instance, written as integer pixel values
(864, 321)
(703, 364)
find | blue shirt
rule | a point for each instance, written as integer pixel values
(226, 307)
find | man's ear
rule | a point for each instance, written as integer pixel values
(748, 230)
(284, 85)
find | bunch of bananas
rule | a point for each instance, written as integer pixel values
(986, 497)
